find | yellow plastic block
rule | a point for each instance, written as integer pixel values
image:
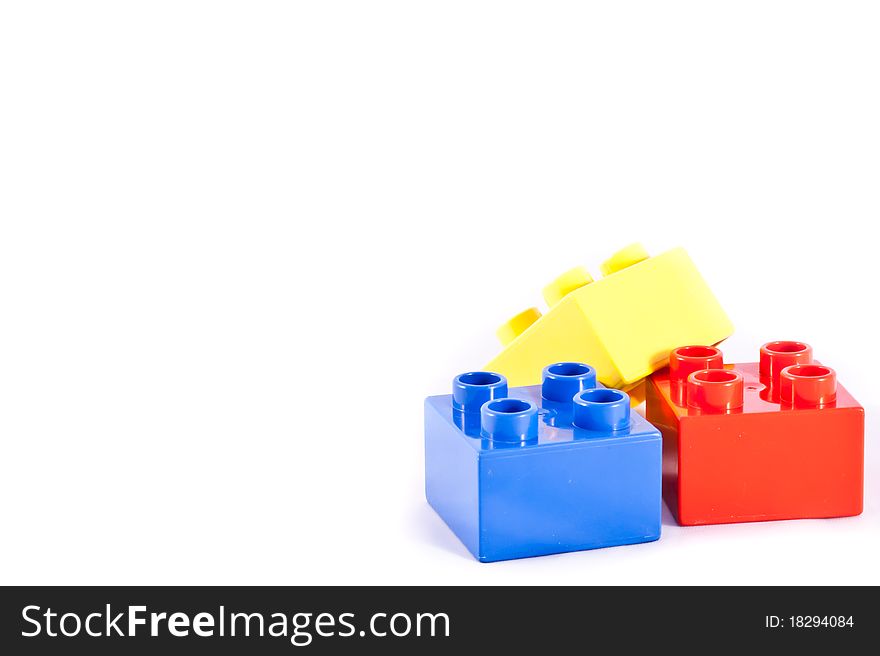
(624, 324)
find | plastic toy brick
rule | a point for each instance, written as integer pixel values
(624, 324)
(776, 439)
(529, 471)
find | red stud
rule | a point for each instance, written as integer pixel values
(807, 386)
(715, 390)
(684, 361)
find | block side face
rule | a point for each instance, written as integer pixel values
(757, 467)
(586, 496)
(564, 334)
(661, 415)
(451, 477)
(641, 313)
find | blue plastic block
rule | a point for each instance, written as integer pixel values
(530, 471)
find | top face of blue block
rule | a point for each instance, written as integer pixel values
(503, 422)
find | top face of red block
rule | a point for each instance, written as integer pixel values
(774, 439)
(698, 383)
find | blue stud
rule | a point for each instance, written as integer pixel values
(602, 409)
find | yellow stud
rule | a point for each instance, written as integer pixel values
(516, 326)
(625, 257)
(565, 284)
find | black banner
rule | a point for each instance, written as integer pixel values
(278, 620)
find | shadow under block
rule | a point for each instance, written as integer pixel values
(624, 324)
(790, 446)
(564, 489)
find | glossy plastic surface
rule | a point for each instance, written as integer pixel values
(684, 361)
(474, 388)
(527, 476)
(788, 444)
(602, 409)
(624, 324)
(561, 381)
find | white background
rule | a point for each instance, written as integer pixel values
(241, 242)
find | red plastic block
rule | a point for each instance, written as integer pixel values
(775, 439)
